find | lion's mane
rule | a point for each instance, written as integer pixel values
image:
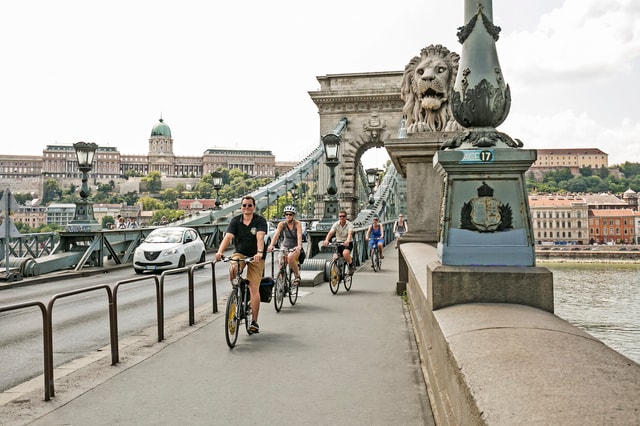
(426, 88)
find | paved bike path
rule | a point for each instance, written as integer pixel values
(345, 359)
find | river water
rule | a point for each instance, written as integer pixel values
(601, 299)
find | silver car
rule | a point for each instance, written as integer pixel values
(168, 248)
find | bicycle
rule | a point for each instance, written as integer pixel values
(284, 281)
(338, 271)
(376, 261)
(238, 304)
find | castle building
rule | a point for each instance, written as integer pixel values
(60, 162)
(571, 158)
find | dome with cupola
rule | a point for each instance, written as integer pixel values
(161, 129)
(629, 193)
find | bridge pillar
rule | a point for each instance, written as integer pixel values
(413, 159)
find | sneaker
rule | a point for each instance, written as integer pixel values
(296, 282)
(351, 269)
(254, 328)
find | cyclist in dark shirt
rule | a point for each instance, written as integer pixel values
(248, 230)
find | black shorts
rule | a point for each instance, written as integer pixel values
(342, 247)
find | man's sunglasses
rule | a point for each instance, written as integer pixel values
(341, 215)
(247, 205)
(288, 214)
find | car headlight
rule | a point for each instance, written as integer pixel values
(170, 252)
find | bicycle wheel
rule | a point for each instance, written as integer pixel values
(278, 291)
(374, 260)
(232, 319)
(293, 289)
(346, 277)
(334, 277)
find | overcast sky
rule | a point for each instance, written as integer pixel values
(237, 74)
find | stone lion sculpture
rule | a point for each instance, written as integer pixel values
(427, 84)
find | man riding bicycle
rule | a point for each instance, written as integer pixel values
(248, 229)
(292, 240)
(343, 230)
(376, 233)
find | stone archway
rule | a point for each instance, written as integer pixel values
(372, 105)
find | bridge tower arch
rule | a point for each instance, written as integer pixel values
(372, 105)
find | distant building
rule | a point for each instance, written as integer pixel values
(60, 162)
(31, 215)
(101, 210)
(60, 214)
(582, 219)
(604, 201)
(195, 205)
(612, 226)
(631, 198)
(559, 219)
(571, 158)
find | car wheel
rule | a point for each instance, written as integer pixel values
(181, 262)
(203, 259)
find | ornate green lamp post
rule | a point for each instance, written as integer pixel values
(83, 219)
(331, 143)
(216, 178)
(372, 176)
(485, 216)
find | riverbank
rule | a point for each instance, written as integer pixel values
(588, 254)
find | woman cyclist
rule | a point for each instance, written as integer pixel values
(400, 227)
(292, 240)
(376, 233)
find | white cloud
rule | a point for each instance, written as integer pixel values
(238, 73)
(568, 129)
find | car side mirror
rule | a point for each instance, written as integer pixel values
(188, 240)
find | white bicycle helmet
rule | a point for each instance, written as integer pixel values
(289, 209)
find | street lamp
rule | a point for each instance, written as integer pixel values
(216, 178)
(83, 218)
(294, 196)
(372, 176)
(269, 192)
(331, 144)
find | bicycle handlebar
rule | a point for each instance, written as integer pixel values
(235, 259)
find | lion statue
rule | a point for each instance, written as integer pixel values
(427, 83)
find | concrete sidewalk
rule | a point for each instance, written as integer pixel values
(345, 359)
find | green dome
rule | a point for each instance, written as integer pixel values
(161, 129)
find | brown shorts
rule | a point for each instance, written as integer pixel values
(254, 273)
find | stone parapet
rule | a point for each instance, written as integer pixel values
(507, 363)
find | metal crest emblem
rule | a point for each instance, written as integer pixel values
(485, 213)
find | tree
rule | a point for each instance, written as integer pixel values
(149, 203)
(170, 197)
(630, 169)
(107, 222)
(23, 198)
(586, 171)
(603, 172)
(52, 191)
(153, 181)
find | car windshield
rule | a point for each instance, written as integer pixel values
(164, 236)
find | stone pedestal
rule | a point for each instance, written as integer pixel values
(452, 285)
(413, 159)
(485, 219)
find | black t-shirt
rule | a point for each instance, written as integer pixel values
(245, 236)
